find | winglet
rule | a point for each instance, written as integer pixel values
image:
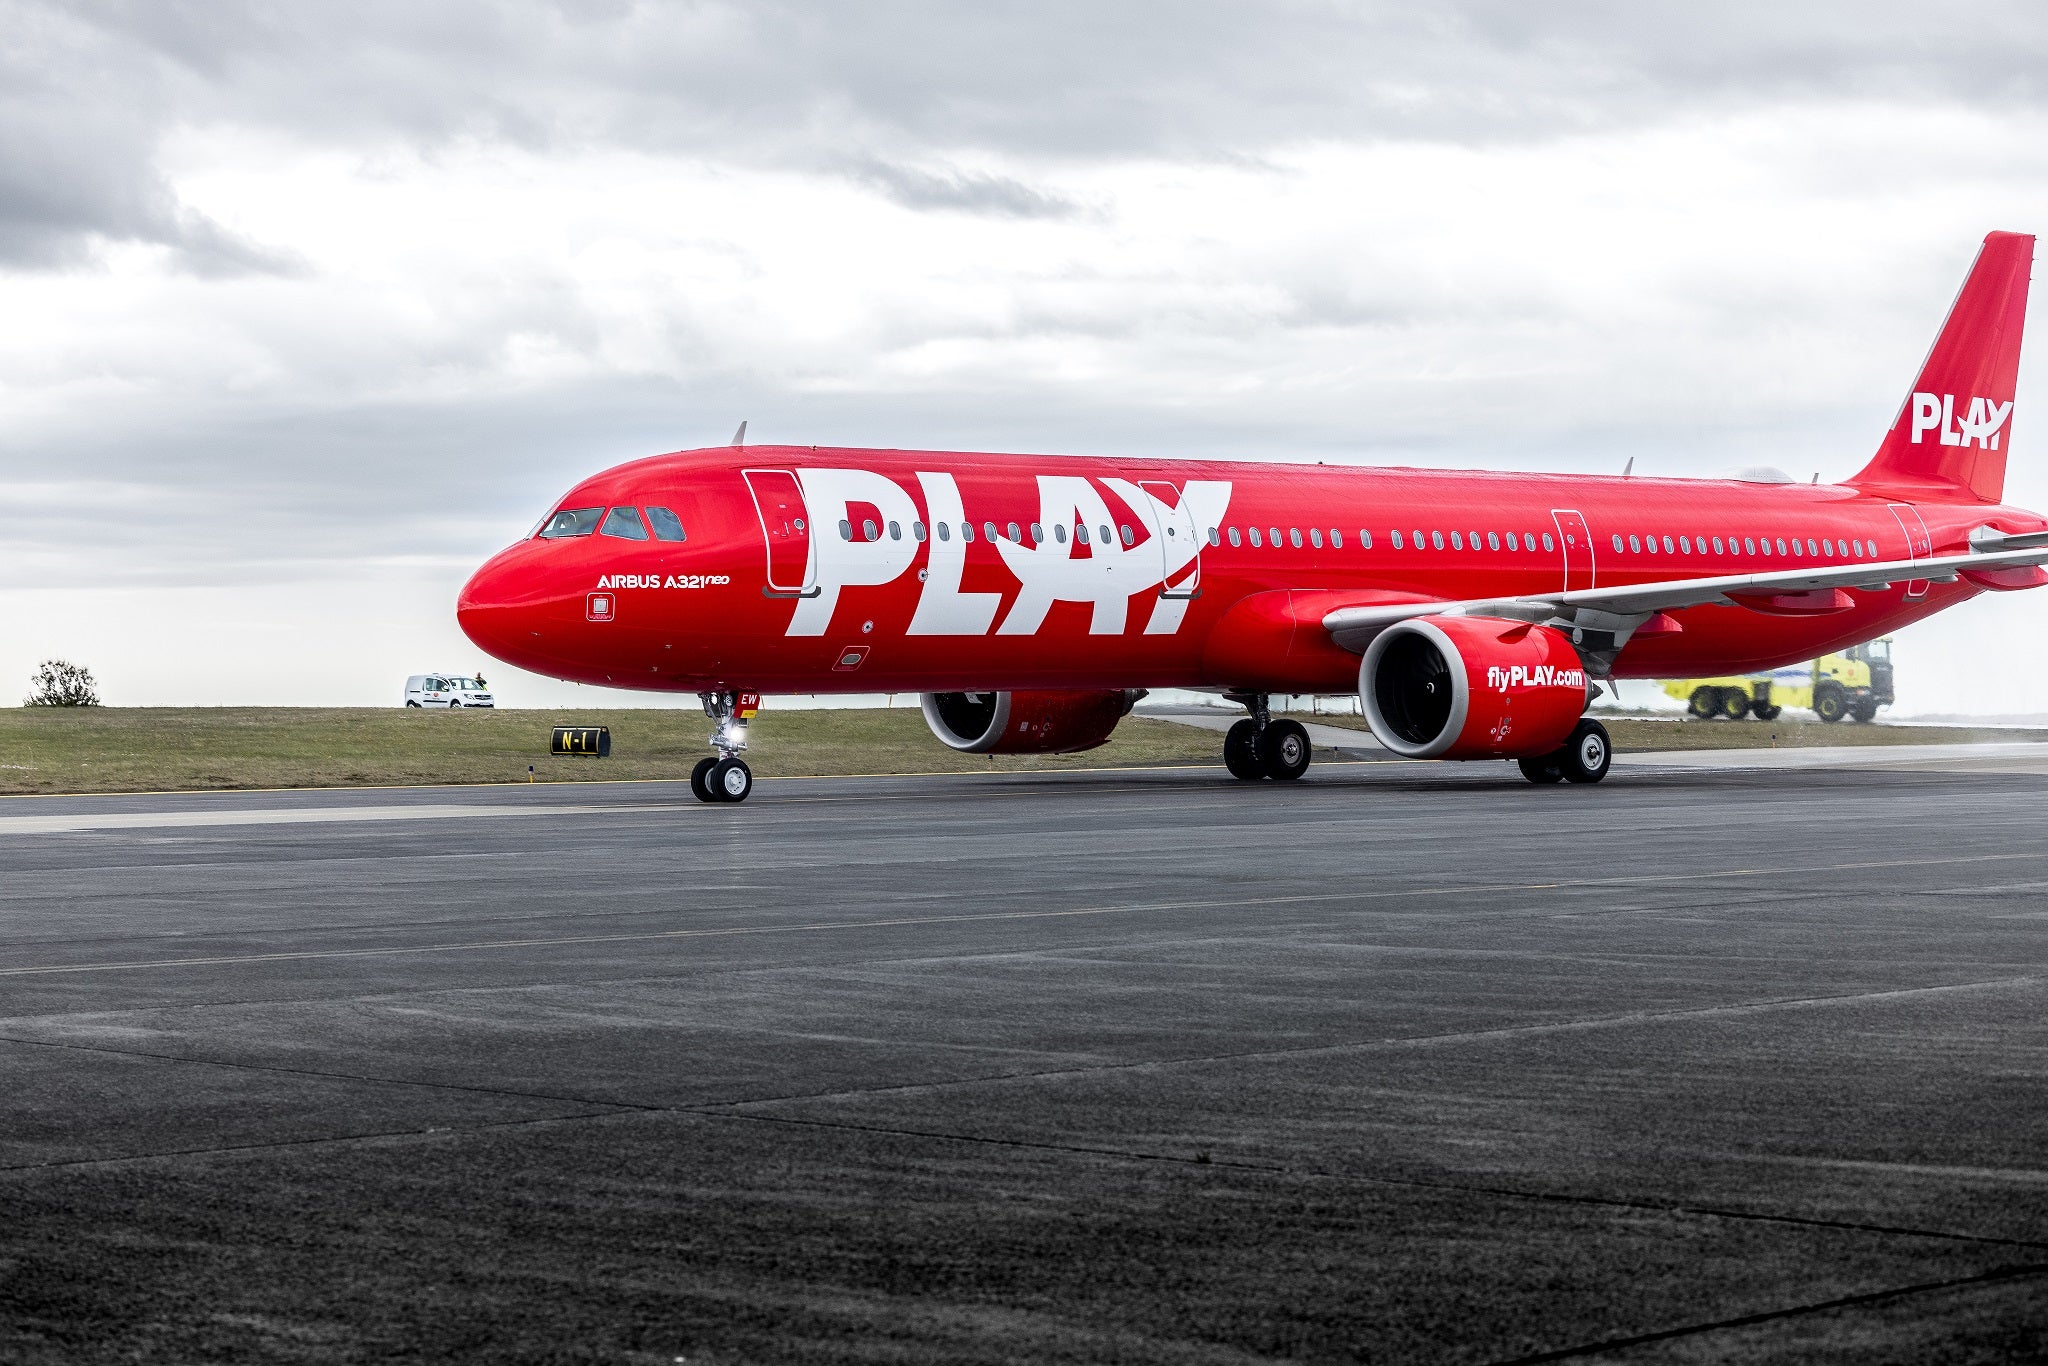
(1951, 435)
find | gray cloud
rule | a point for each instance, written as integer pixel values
(900, 94)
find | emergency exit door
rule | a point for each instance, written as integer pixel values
(786, 526)
(1575, 544)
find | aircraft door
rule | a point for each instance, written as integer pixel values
(1919, 545)
(1180, 541)
(1575, 544)
(786, 526)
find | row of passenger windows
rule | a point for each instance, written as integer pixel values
(1750, 545)
(626, 523)
(1512, 542)
(869, 531)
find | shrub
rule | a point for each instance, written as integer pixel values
(59, 683)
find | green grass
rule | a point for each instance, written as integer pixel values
(147, 749)
(152, 749)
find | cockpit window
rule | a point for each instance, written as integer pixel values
(623, 523)
(571, 522)
(667, 526)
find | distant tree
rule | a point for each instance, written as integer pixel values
(59, 683)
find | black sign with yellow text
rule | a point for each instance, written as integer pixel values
(593, 741)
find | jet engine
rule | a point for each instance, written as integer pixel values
(1027, 722)
(1472, 688)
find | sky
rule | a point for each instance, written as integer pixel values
(308, 309)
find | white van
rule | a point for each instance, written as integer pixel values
(446, 690)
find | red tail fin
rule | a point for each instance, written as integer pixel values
(1951, 435)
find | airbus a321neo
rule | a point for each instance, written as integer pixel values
(1033, 599)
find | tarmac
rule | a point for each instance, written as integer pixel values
(1714, 1061)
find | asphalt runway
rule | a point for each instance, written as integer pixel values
(1399, 1063)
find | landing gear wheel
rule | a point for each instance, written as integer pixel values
(1241, 751)
(1830, 706)
(700, 780)
(1705, 702)
(1735, 704)
(1767, 712)
(1587, 756)
(1546, 769)
(1864, 711)
(1284, 750)
(730, 780)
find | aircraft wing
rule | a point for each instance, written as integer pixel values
(1617, 612)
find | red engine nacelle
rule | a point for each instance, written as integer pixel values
(1027, 722)
(1472, 688)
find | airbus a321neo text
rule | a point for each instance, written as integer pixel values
(1033, 599)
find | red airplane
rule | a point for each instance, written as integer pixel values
(1033, 599)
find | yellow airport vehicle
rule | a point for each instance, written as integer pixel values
(1854, 683)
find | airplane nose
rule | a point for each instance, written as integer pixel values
(487, 608)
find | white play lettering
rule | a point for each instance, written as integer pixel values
(942, 609)
(1979, 425)
(838, 563)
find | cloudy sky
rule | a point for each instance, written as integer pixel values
(309, 308)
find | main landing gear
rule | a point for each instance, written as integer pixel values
(1585, 758)
(1260, 747)
(725, 777)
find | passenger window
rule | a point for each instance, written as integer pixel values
(845, 529)
(1315, 538)
(917, 531)
(1336, 539)
(1684, 546)
(669, 527)
(869, 530)
(1294, 536)
(895, 531)
(1548, 544)
(1037, 533)
(1766, 544)
(1617, 544)
(1669, 549)
(1418, 539)
(1858, 545)
(1081, 534)
(1273, 534)
(1103, 531)
(1015, 535)
(945, 530)
(571, 522)
(1393, 536)
(1436, 538)
(1059, 533)
(1635, 544)
(1748, 546)
(1781, 545)
(1254, 532)
(1235, 539)
(1125, 528)
(1827, 547)
(1456, 544)
(988, 530)
(1214, 539)
(1365, 539)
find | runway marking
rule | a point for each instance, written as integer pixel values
(2023, 1271)
(303, 815)
(896, 922)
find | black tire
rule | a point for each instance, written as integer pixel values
(1864, 711)
(700, 780)
(1829, 704)
(1588, 755)
(1705, 702)
(1284, 750)
(414, 705)
(1241, 751)
(1734, 704)
(1769, 712)
(730, 780)
(1545, 769)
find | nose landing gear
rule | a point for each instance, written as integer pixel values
(1260, 747)
(725, 777)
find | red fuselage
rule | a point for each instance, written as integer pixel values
(818, 570)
